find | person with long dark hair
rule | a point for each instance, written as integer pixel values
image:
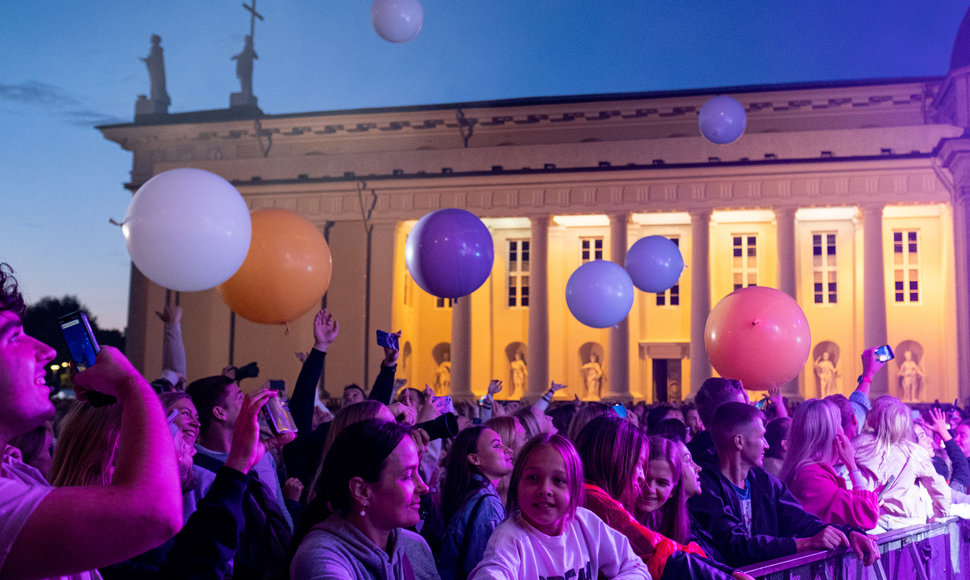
(469, 503)
(370, 491)
(613, 452)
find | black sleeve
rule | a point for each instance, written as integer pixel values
(301, 407)
(207, 543)
(301, 403)
(961, 469)
(209, 540)
(383, 388)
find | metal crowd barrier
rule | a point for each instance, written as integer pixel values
(938, 551)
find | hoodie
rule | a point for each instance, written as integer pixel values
(335, 548)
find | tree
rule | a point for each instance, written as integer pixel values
(40, 321)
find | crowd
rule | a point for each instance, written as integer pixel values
(182, 479)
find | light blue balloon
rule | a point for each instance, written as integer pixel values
(599, 294)
(654, 263)
(722, 120)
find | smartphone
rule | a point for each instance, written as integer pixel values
(915, 414)
(884, 353)
(277, 385)
(387, 340)
(84, 348)
(620, 410)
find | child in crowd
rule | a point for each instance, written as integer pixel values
(547, 533)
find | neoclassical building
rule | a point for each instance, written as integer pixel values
(849, 196)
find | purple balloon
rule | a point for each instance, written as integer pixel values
(599, 293)
(654, 263)
(722, 120)
(449, 253)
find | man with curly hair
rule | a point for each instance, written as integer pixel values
(50, 532)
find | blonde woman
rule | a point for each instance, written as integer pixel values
(894, 464)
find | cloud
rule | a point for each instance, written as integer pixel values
(89, 118)
(57, 99)
(37, 93)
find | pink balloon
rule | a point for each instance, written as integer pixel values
(758, 335)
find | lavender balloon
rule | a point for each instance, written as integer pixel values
(599, 294)
(654, 263)
(449, 253)
(397, 21)
(722, 120)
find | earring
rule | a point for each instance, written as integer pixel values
(363, 513)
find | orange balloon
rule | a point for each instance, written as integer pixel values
(286, 272)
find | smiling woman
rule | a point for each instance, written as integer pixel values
(370, 492)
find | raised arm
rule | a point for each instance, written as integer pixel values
(81, 528)
(383, 389)
(173, 349)
(325, 331)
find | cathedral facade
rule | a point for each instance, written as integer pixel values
(851, 197)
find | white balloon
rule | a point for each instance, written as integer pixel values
(187, 229)
(722, 120)
(397, 20)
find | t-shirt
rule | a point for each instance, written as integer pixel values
(586, 549)
(22, 488)
(745, 496)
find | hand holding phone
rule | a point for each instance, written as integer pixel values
(884, 353)
(84, 350)
(387, 340)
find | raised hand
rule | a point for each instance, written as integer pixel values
(325, 330)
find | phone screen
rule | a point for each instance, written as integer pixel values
(884, 353)
(80, 339)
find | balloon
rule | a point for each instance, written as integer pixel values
(758, 335)
(397, 20)
(599, 293)
(286, 272)
(654, 263)
(449, 253)
(722, 120)
(187, 229)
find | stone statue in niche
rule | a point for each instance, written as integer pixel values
(442, 381)
(910, 378)
(593, 377)
(520, 376)
(827, 373)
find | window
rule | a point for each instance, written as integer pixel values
(906, 266)
(518, 273)
(824, 288)
(442, 302)
(591, 249)
(672, 296)
(744, 264)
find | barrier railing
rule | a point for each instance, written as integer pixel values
(940, 551)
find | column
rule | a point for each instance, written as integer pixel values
(874, 290)
(785, 230)
(461, 349)
(136, 339)
(955, 156)
(700, 296)
(538, 307)
(618, 364)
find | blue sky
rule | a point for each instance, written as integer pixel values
(68, 66)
